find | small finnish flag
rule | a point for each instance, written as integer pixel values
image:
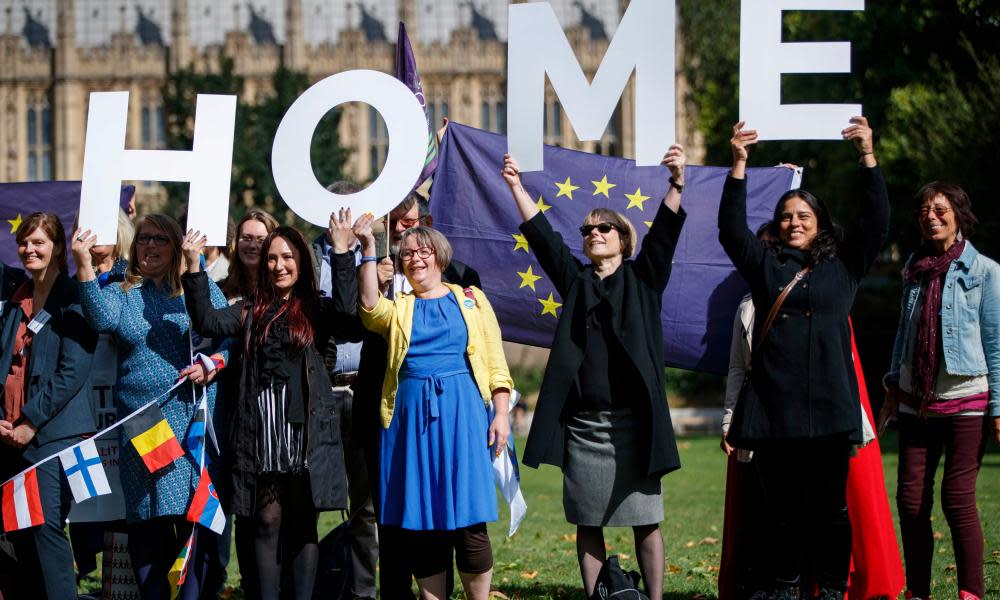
(84, 471)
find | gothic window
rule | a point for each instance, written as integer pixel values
(553, 123)
(494, 113)
(378, 141)
(39, 129)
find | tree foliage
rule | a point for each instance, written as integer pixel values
(256, 124)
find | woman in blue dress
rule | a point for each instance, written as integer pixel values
(146, 315)
(445, 365)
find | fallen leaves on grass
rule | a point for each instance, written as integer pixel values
(673, 569)
(498, 594)
(689, 544)
(709, 541)
(938, 535)
(529, 574)
(569, 537)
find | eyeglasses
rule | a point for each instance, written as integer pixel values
(601, 227)
(424, 253)
(159, 241)
(409, 223)
(939, 211)
(249, 239)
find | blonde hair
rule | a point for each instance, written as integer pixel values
(126, 233)
(168, 226)
(427, 237)
(626, 231)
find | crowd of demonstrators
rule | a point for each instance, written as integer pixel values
(346, 373)
(601, 413)
(944, 385)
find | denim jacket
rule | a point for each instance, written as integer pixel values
(970, 322)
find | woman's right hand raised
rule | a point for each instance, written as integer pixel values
(511, 171)
(741, 142)
(362, 229)
(192, 247)
(83, 241)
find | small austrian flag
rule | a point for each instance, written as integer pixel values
(22, 506)
(84, 471)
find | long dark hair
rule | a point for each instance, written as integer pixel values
(826, 246)
(301, 307)
(238, 281)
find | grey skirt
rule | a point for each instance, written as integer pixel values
(604, 477)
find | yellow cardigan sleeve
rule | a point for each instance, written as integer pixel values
(379, 318)
(496, 360)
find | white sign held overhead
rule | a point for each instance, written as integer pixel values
(763, 59)
(643, 42)
(207, 166)
(291, 163)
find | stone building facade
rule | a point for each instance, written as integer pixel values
(54, 53)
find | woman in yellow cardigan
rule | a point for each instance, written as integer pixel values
(445, 365)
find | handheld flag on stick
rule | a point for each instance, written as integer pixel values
(205, 508)
(22, 506)
(406, 71)
(153, 438)
(178, 571)
(84, 471)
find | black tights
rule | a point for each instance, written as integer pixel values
(153, 547)
(291, 542)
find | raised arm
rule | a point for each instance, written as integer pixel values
(740, 244)
(868, 237)
(101, 308)
(205, 318)
(553, 254)
(652, 264)
(368, 290)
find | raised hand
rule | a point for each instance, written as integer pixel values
(340, 233)
(444, 129)
(860, 133)
(83, 241)
(675, 159)
(192, 247)
(511, 171)
(362, 229)
(741, 141)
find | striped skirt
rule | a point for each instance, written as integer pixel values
(280, 445)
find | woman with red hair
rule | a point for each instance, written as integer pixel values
(284, 432)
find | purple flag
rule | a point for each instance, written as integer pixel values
(406, 71)
(472, 205)
(18, 200)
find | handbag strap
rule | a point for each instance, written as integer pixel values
(771, 316)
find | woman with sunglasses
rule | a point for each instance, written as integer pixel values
(145, 313)
(445, 365)
(943, 385)
(602, 414)
(283, 434)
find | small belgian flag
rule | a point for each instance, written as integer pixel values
(153, 438)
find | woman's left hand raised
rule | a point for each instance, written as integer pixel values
(860, 133)
(339, 232)
(499, 432)
(675, 159)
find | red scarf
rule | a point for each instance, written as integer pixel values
(929, 271)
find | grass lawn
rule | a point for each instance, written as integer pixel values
(539, 562)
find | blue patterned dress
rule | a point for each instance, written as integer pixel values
(151, 332)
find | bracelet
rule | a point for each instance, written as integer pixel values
(864, 154)
(677, 186)
(367, 259)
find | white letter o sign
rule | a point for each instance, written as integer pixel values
(291, 161)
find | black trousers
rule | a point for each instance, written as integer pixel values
(805, 482)
(361, 513)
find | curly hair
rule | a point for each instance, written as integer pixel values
(826, 245)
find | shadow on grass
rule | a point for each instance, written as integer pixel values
(529, 591)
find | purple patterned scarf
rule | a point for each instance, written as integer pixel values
(929, 270)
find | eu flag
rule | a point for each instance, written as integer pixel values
(472, 206)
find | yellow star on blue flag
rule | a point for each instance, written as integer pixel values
(542, 206)
(603, 187)
(566, 188)
(528, 278)
(636, 200)
(549, 306)
(522, 243)
(15, 223)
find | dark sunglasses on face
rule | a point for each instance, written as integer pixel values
(159, 241)
(600, 227)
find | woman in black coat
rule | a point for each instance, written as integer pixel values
(602, 412)
(284, 434)
(801, 406)
(45, 368)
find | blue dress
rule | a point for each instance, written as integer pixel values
(436, 472)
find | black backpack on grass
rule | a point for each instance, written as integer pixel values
(615, 584)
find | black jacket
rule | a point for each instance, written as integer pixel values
(802, 378)
(58, 400)
(11, 278)
(636, 323)
(324, 456)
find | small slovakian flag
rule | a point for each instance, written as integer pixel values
(22, 506)
(153, 439)
(205, 508)
(84, 471)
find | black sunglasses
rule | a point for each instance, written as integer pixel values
(601, 227)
